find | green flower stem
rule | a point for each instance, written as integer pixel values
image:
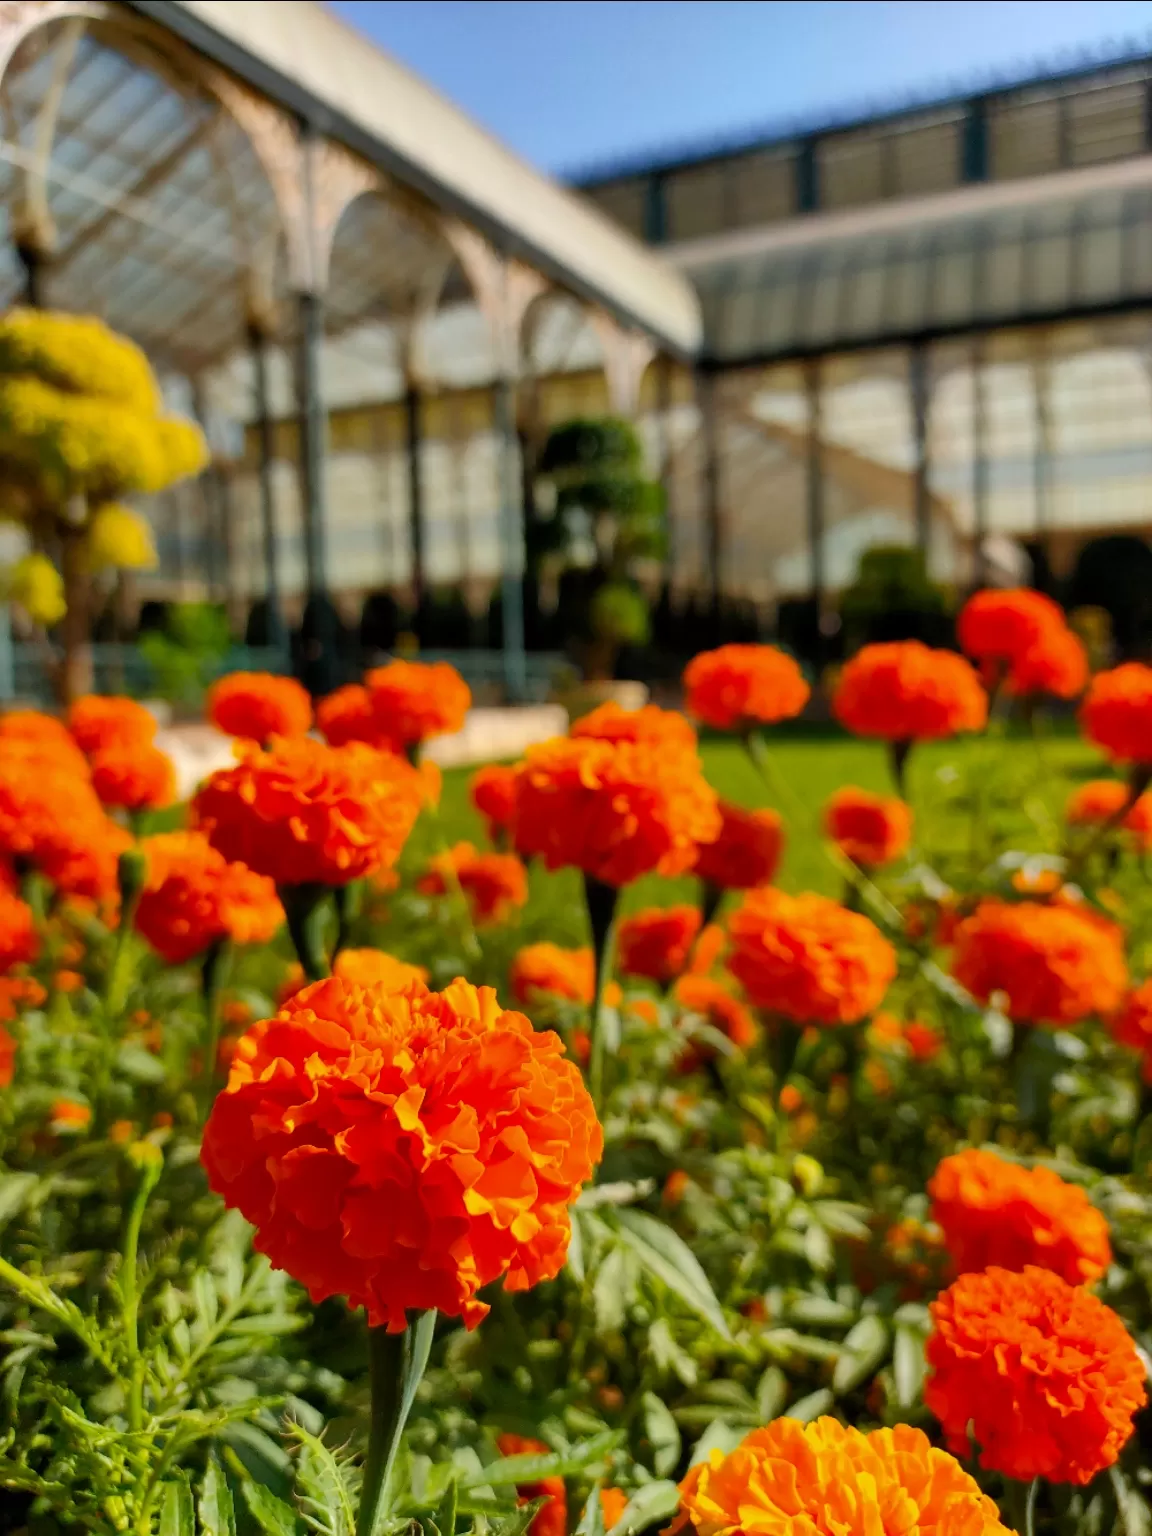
(396, 1364)
(1030, 1508)
(148, 1159)
(304, 906)
(602, 900)
(214, 971)
(41, 1296)
(349, 904)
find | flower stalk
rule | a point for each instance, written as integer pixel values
(602, 901)
(396, 1366)
(305, 908)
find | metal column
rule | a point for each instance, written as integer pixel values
(266, 454)
(512, 542)
(413, 438)
(310, 408)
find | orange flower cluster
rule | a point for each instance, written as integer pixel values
(718, 1006)
(459, 1119)
(1102, 800)
(347, 715)
(1057, 665)
(554, 972)
(133, 777)
(808, 958)
(661, 727)
(17, 993)
(193, 898)
(493, 793)
(551, 1519)
(367, 967)
(7, 1058)
(1042, 1371)
(259, 705)
(826, 1479)
(304, 812)
(905, 691)
(1132, 1026)
(869, 829)
(1117, 712)
(656, 942)
(747, 852)
(1020, 637)
(98, 722)
(993, 1212)
(413, 700)
(30, 732)
(615, 810)
(918, 1040)
(739, 686)
(1053, 964)
(494, 883)
(19, 941)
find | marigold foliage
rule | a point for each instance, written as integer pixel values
(870, 829)
(1053, 964)
(1117, 712)
(747, 851)
(827, 1479)
(258, 705)
(657, 941)
(1044, 1373)
(738, 686)
(994, 1212)
(808, 958)
(905, 691)
(403, 1150)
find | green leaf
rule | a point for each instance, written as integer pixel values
(575, 1258)
(861, 1353)
(663, 1433)
(821, 1312)
(177, 1517)
(272, 1515)
(530, 1468)
(325, 1488)
(908, 1364)
(217, 1512)
(140, 1065)
(15, 1188)
(654, 1502)
(609, 1290)
(805, 1409)
(592, 1515)
(719, 1436)
(1135, 1516)
(669, 1258)
(771, 1394)
(818, 1249)
(446, 1509)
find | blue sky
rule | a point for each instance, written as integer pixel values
(572, 83)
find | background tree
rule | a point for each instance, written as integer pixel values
(606, 518)
(83, 425)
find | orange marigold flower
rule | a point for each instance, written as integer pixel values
(791, 1099)
(67, 981)
(1132, 1025)
(17, 993)
(19, 941)
(193, 898)
(82, 859)
(413, 700)
(42, 735)
(612, 722)
(1053, 964)
(368, 967)
(493, 793)
(747, 852)
(869, 829)
(1056, 664)
(303, 812)
(347, 715)
(920, 1041)
(738, 686)
(259, 705)
(7, 1058)
(613, 1503)
(135, 777)
(656, 942)
(97, 722)
(993, 1212)
(826, 1479)
(905, 691)
(709, 948)
(462, 1123)
(1103, 800)
(494, 883)
(69, 1115)
(1042, 1371)
(547, 968)
(1117, 712)
(431, 782)
(616, 811)
(1001, 625)
(808, 958)
(675, 1186)
(717, 1005)
(551, 1519)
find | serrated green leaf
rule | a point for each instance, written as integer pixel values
(325, 1487)
(650, 1504)
(447, 1508)
(668, 1257)
(663, 1433)
(864, 1347)
(217, 1512)
(177, 1516)
(592, 1515)
(530, 1468)
(272, 1515)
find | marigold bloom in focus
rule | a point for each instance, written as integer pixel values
(869, 829)
(347, 715)
(413, 700)
(1117, 712)
(904, 691)
(18, 993)
(304, 812)
(259, 705)
(135, 778)
(825, 1479)
(1056, 664)
(612, 722)
(737, 686)
(808, 958)
(97, 722)
(1002, 624)
(656, 942)
(1102, 800)
(547, 968)
(993, 1212)
(494, 883)
(493, 792)
(1055, 964)
(616, 811)
(19, 941)
(1043, 1372)
(1132, 1025)
(403, 1149)
(193, 898)
(747, 852)
(551, 1519)
(718, 1007)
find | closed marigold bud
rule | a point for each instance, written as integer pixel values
(808, 958)
(656, 942)
(305, 813)
(259, 705)
(739, 686)
(1041, 1373)
(869, 829)
(19, 941)
(826, 1478)
(1053, 964)
(550, 970)
(403, 1149)
(905, 691)
(993, 1212)
(747, 851)
(1117, 712)
(551, 1519)
(413, 700)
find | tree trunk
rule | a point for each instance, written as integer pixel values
(75, 676)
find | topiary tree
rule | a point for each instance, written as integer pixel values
(892, 598)
(605, 517)
(82, 425)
